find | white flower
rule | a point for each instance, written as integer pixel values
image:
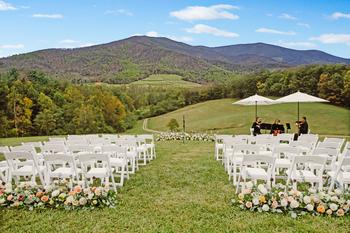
(256, 201)
(284, 202)
(307, 199)
(312, 190)
(262, 189)
(334, 199)
(310, 207)
(86, 191)
(82, 201)
(2, 201)
(265, 207)
(294, 204)
(70, 199)
(90, 196)
(249, 185)
(8, 188)
(333, 206)
(55, 193)
(338, 191)
(293, 215)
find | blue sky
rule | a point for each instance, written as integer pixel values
(300, 24)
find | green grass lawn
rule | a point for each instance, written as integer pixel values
(183, 190)
(166, 80)
(222, 116)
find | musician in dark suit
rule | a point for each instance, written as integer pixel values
(303, 126)
(257, 126)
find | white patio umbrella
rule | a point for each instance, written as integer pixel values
(255, 100)
(299, 97)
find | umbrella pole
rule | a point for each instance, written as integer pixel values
(256, 109)
(298, 112)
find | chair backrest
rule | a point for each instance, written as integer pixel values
(59, 159)
(314, 159)
(4, 149)
(326, 151)
(76, 148)
(246, 149)
(335, 140)
(94, 160)
(114, 150)
(285, 151)
(57, 139)
(20, 158)
(33, 144)
(251, 159)
(79, 141)
(335, 145)
(25, 148)
(62, 143)
(285, 137)
(54, 148)
(149, 138)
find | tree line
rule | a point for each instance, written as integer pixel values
(33, 103)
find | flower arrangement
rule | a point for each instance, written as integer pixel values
(293, 202)
(179, 136)
(56, 197)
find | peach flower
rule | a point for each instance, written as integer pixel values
(321, 209)
(44, 198)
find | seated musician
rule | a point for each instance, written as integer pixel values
(303, 127)
(257, 126)
(277, 128)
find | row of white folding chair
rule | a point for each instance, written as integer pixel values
(262, 167)
(219, 145)
(24, 164)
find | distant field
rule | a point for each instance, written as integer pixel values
(166, 80)
(223, 117)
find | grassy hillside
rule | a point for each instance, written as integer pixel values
(166, 80)
(221, 116)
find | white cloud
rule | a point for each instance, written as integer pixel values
(48, 16)
(69, 41)
(152, 34)
(287, 16)
(4, 6)
(181, 38)
(297, 45)
(119, 12)
(205, 29)
(333, 38)
(306, 25)
(12, 46)
(205, 13)
(338, 15)
(274, 31)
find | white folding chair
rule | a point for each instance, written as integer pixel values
(256, 167)
(50, 148)
(236, 158)
(284, 155)
(131, 153)
(97, 166)
(150, 145)
(60, 167)
(301, 172)
(142, 151)
(23, 164)
(118, 160)
(219, 145)
(341, 173)
(331, 154)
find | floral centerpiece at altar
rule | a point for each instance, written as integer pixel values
(56, 197)
(293, 202)
(179, 136)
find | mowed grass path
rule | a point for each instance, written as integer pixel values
(183, 190)
(166, 80)
(221, 116)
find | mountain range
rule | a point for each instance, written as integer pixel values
(138, 56)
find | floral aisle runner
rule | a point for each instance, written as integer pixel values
(56, 197)
(293, 202)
